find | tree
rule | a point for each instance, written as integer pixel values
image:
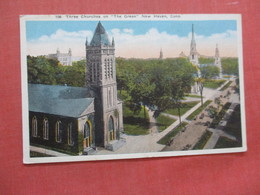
(75, 75)
(40, 70)
(140, 92)
(206, 60)
(209, 72)
(200, 82)
(230, 66)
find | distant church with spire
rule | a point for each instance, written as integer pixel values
(78, 120)
(161, 54)
(194, 55)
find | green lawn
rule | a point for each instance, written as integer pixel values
(163, 122)
(203, 140)
(226, 86)
(135, 123)
(233, 126)
(171, 134)
(199, 110)
(192, 95)
(213, 84)
(224, 142)
(185, 107)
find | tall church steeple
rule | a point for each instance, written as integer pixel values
(101, 77)
(218, 61)
(161, 54)
(193, 51)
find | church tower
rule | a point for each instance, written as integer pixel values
(193, 51)
(161, 54)
(101, 79)
(218, 61)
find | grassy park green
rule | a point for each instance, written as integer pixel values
(213, 84)
(135, 123)
(171, 134)
(226, 86)
(199, 110)
(184, 108)
(163, 122)
(202, 141)
(224, 142)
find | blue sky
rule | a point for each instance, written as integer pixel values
(131, 37)
(35, 29)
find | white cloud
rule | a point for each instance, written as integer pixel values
(128, 44)
(60, 39)
(127, 30)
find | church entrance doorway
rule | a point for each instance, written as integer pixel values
(112, 135)
(88, 136)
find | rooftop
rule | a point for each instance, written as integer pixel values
(100, 36)
(59, 100)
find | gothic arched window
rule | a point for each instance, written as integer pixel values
(34, 127)
(45, 129)
(58, 131)
(70, 134)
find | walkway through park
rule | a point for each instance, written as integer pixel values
(148, 143)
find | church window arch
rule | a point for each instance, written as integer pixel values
(45, 129)
(34, 127)
(70, 134)
(58, 131)
(111, 128)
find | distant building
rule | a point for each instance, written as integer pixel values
(78, 119)
(64, 58)
(218, 61)
(161, 54)
(182, 55)
(194, 56)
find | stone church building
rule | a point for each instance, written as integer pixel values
(77, 120)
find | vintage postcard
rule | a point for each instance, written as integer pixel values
(99, 87)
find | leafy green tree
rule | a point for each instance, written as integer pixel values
(75, 75)
(200, 82)
(140, 92)
(41, 70)
(209, 72)
(230, 66)
(203, 60)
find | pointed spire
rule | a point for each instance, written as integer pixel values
(192, 35)
(216, 51)
(100, 36)
(161, 54)
(86, 43)
(113, 42)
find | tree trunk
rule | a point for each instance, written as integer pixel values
(201, 98)
(144, 113)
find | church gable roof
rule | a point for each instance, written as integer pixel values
(100, 36)
(59, 100)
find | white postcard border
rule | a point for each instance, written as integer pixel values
(112, 17)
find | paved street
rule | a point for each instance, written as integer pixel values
(193, 132)
(184, 139)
